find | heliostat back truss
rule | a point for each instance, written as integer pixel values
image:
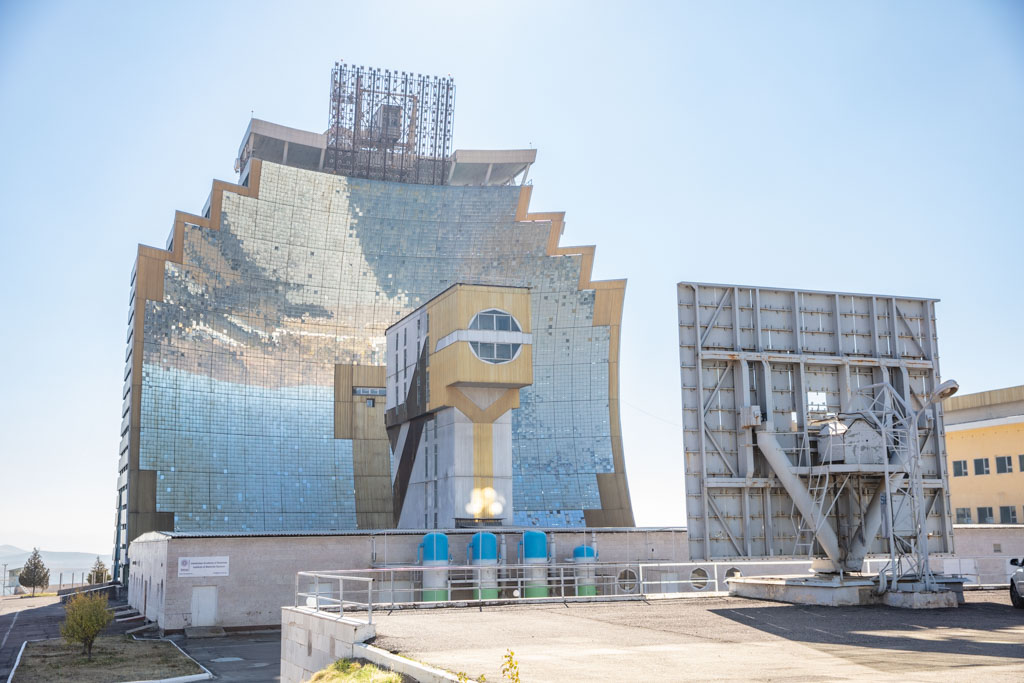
(390, 125)
(791, 361)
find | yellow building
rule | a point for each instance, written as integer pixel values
(455, 368)
(985, 451)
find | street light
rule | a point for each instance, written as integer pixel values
(941, 393)
(903, 417)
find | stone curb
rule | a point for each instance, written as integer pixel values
(424, 673)
(207, 675)
(17, 661)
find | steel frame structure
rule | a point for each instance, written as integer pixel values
(763, 371)
(390, 125)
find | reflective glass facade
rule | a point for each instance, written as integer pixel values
(237, 396)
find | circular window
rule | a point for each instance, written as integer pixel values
(494, 346)
(698, 579)
(628, 581)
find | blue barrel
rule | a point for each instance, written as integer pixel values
(581, 552)
(434, 553)
(483, 551)
(483, 546)
(584, 557)
(535, 552)
(535, 545)
(434, 547)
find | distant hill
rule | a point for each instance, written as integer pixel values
(55, 561)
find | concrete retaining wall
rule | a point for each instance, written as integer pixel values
(985, 550)
(310, 642)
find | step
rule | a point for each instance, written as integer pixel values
(204, 632)
(149, 625)
(134, 618)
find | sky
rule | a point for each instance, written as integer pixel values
(870, 147)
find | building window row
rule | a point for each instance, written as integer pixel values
(495, 353)
(1007, 515)
(1004, 465)
(494, 319)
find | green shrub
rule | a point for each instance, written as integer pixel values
(85, 617)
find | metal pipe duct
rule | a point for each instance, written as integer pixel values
(780, 463)
(868, 530)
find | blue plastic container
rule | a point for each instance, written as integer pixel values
(482, 547)
(584, 557)
(434, 553)
(483, 552)
(535, 552)
(434, 547)
(535, 545)
(583, 551)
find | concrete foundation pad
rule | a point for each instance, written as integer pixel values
(836, 592)
(803, 590)
(920, 599)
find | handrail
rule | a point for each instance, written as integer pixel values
(326, 592)
(317, 596)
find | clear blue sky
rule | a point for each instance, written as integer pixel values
(866, 146)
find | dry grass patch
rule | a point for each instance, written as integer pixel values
(114, 659)
(356, 671)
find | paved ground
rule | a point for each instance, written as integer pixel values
(665, 640)
(24, 619)
(718, 639)
(254, 658)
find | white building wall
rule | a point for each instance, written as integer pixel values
(262, 569)
(404, 342)
(502, 467)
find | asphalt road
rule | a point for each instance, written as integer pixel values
(24, 619)
(252, 658)
(718, 639)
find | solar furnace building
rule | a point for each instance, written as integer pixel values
(254, 384)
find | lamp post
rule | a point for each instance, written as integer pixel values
(941, 393)
(906, 420)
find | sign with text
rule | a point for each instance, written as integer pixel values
(202, 566)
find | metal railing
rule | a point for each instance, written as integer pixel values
(403, 586)
(981, 571)
(340, 594)
(324, 599)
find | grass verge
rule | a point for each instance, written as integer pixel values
(114, 658)
(357, 671)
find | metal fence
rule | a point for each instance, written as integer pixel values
(327, 593)
(340, 594)
(354, 594)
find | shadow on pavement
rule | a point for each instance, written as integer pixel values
(977, 633)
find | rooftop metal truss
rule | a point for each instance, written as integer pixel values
(809, 427)
(390, 125)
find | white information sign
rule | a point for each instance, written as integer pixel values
(202, 566)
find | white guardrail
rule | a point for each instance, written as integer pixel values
(343, 593)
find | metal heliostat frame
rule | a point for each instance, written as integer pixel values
(763, 369)
(390, 125)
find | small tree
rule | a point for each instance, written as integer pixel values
(85, 616)
(34, 574)
(99, 573)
